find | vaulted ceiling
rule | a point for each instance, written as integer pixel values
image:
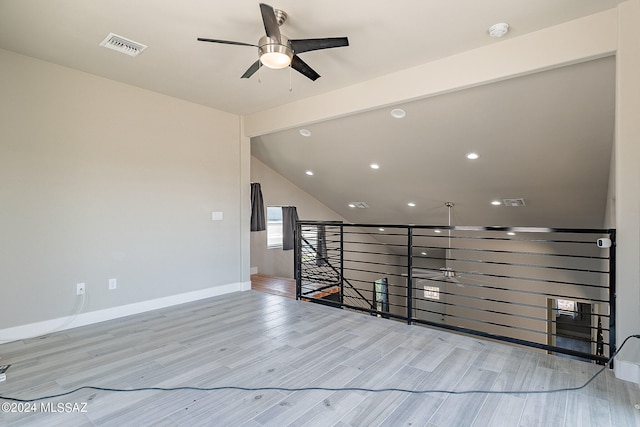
(545, 137)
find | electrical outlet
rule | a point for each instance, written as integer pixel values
(80, 289)
(113, 284)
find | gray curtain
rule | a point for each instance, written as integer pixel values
(289, 218)
(321, 251)
(258, 222)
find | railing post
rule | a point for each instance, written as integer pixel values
(612, 294)
(409, 275)
(298, 260)
(341, 264)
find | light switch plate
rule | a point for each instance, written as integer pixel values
(216, 216)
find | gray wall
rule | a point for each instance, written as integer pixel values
(101, 180)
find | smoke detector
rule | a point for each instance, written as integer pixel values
(513, 202)
(122, 45)
(499, 30)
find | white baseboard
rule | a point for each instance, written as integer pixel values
(627, 371)
(33, 330)
(245, 286)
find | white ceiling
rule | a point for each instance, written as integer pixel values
(545, 137)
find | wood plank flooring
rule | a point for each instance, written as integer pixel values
(255, 339)
(274, 285)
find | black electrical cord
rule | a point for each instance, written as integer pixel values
(287, 389)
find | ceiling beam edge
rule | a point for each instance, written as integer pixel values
(568, 43)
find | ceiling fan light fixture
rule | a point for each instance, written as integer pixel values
(273, 54)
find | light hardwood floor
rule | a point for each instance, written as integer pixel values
(256, 339)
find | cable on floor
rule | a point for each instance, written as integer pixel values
(61, 327)
(333, 389)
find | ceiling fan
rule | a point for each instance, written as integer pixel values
(445, 274)
(277, 51)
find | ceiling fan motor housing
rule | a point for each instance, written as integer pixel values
(274, 54)
(448, 272)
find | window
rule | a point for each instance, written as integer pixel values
(274, 227)
(567, 307)
(432, 292)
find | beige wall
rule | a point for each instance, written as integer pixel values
(101, 180)
(627, 196)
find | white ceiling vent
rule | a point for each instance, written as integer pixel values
(359, 205)
(122, 45)
(513, 202)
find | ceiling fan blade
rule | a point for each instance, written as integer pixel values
(306, 45)
(251, 70)
(416, 270)
(425, 274)
(270, 22)
(300, 66)
(454, 280)
(200, 39)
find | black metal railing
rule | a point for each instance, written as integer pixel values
(317, 256)
(552, 289)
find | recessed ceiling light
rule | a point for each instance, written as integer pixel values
(310, 173)
(305, 132)
(472, 156)
(351, 205)
(411, 204)
(499, 30)
(381, 229)
(423, 253)
(511, 233)
(437, 231)
(496, 203)
(374, 166)
(398, 113)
